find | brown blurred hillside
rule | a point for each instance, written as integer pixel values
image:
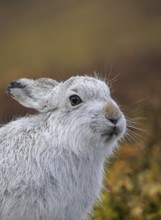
(61, 38)
(120, 40)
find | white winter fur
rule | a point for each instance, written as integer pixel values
(51, 164)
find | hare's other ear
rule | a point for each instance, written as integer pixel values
(32, 93)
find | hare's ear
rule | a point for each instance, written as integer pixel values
(47, 82)
(32, 93)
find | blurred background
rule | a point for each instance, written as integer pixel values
(120, 40)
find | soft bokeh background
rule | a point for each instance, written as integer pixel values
(121, 40)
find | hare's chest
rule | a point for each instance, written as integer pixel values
(78, 184)
(85, 189)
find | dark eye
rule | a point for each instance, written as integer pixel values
(75, 100)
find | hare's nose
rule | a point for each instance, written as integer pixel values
(112, 112)
(113, 120)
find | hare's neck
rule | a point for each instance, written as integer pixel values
(63, 139)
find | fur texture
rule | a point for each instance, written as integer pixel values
(51, 164)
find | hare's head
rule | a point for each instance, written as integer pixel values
(83, 106)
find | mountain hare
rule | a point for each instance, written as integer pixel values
(51, 164)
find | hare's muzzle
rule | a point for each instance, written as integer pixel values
(116, 124)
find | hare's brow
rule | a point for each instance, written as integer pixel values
(74, 90)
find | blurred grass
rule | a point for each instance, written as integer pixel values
(63, 38)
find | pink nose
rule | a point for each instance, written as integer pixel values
(112, 112)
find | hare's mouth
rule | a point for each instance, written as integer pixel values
(112, 132)
(108, 136)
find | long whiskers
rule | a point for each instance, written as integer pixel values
(135, 134)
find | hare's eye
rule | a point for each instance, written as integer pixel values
(75, 100)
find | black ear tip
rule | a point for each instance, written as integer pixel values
(16, 84)
(12, 85)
